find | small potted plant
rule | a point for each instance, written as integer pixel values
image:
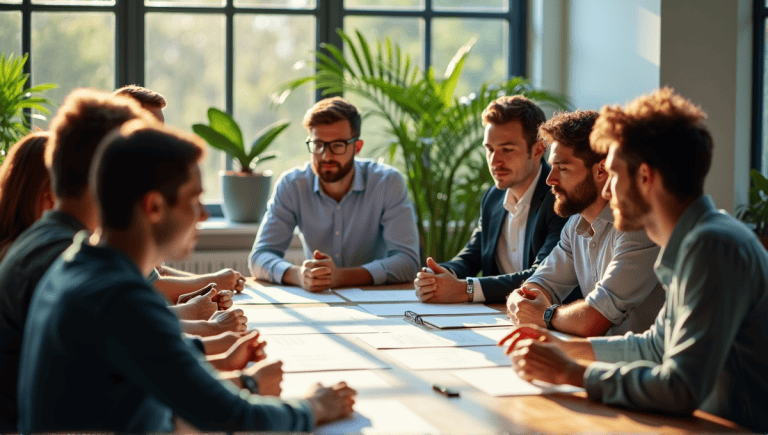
(755, 214)
(245, 192)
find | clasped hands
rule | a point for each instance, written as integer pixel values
(437, 284)
(527, 305)
(320, 273)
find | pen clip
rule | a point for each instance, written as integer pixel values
(412, 317)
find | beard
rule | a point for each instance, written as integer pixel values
(628, 211)
(329, 176)
(583, 195)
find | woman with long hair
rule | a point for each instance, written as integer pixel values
(25, 188)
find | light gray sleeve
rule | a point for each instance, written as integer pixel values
(629, 277)
(647, 346)
(557, 274)
(275, 234)
(401, 239)
(704, 315)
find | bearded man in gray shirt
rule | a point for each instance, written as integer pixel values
(706, 349)
(613, 268)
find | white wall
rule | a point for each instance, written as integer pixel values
(608, 52)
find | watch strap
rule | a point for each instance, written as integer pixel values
(249, 384)
(470, 290)
(549, 313)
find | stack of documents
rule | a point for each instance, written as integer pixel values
(503, 381)
(312, 320)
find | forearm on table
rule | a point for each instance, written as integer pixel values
(201, 328)
(174, 286)
(579, 318)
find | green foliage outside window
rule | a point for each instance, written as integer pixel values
(435, 136)
(14, 99)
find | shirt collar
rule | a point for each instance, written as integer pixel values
(605, 218)
(525, 200)
(691, 217)
(358, 183)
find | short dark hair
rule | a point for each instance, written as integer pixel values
(145, 97)
(135, 159)
(516, 108)
(572, 129)
(332, 110)
(665, 131)
(80, 124)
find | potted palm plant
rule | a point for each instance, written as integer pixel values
(14, 99)
(755, 214)
(245, 192)
(436, 136)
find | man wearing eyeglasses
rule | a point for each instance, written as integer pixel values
(356, 222)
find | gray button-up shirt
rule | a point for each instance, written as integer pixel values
(373, 225)
(709, 346)
(613, 268)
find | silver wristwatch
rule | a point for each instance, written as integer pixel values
(470, 289)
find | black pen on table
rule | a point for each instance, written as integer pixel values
(445, 391)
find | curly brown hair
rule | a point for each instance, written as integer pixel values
(86, 116)
(572, 129)
(516, 108)
(331, 110)
(663, 130)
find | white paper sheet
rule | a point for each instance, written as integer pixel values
(407, 337)
(450, 322)
(365, 382)
(312, 320)
(257, 294)
(450, 357)
(503, 381)
(317, 353)
(358, 295)
(379, 416)
(426, 309)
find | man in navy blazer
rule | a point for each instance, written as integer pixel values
(518, 225)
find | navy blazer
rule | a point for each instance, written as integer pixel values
(542, 232)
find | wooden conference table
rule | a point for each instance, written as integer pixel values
(477, 412)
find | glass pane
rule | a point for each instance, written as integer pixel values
(185, 2)
(75, 2)
(384, 4)
(409, 34)
(269, 51)
(11, 2)
(290, 4)
(764, 163)
(73, 49)
(475, 5)
(10, 33)
(486, 62)
(185, 63)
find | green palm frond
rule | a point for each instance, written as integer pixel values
(435, 134)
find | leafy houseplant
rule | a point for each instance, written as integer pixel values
(14, 99)
(245, 192)
(436, 137)
(755, 213)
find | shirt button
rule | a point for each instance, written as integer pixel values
(337, 255)
(337, 233)
(592, 244)
(338, 207)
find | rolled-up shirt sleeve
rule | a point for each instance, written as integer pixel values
(401, 241)
(266, 259)
(628, 279)
(557, 274)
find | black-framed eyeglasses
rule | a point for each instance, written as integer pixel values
(337, 147)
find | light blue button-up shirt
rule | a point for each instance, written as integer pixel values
(373, 225)
(613, 268)
(709, 346)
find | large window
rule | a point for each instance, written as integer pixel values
(760, 86)
(233, 54)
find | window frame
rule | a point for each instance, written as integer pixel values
(329, 15)
(759, 56)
